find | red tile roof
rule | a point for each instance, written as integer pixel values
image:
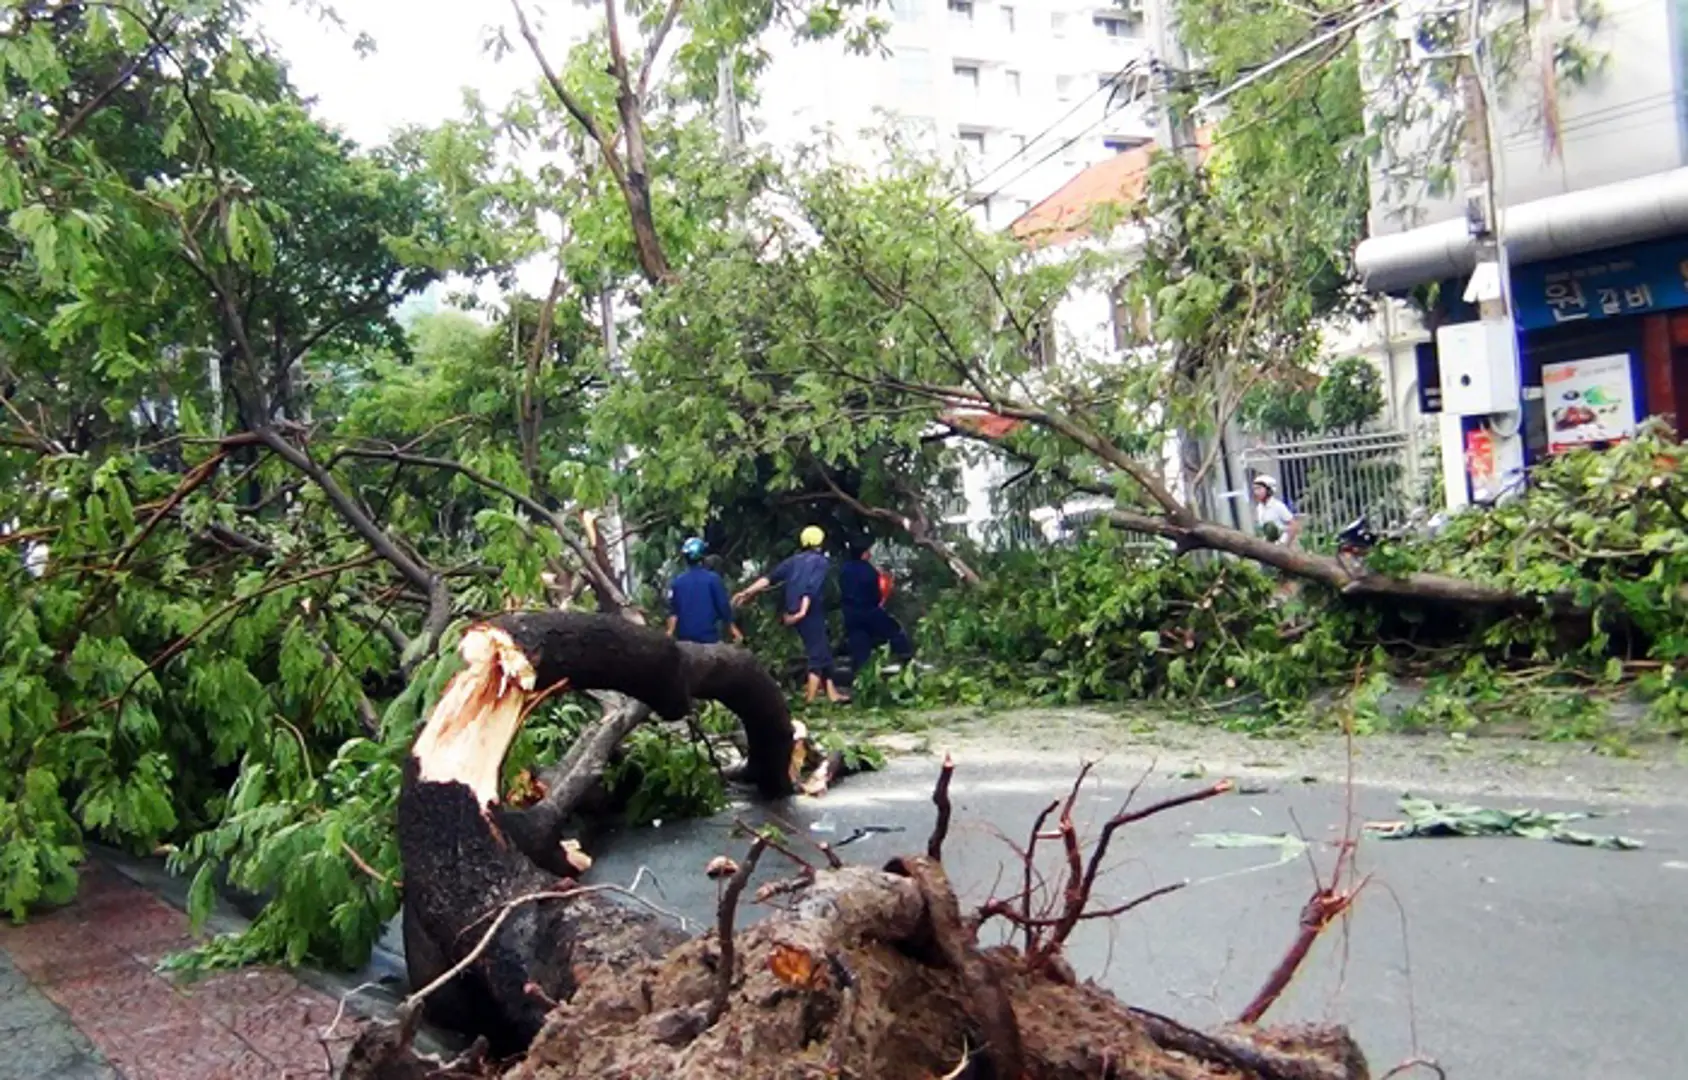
(1118, 181)
(1065, 215)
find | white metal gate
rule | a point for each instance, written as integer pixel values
(1331, 480)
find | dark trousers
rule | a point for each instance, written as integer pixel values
(811, 629)
(867, 630)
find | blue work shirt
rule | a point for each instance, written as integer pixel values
(804, 574)
(858, 587)
(698, 601)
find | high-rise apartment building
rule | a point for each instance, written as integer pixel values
(1024, 93)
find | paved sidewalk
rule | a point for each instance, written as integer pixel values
(80, 1000)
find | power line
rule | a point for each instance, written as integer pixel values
(1086, 130)
(1294, 54)
(1111, 84)
(1245, 78)
(1668, 99)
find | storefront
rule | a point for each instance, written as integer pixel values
(1603, 343)
(1600, 298)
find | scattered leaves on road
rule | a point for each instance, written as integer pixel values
(1289, 847)
(1427, 818)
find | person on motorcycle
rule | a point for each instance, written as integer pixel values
(1276, 521)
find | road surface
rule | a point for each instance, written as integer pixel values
(1503, 959)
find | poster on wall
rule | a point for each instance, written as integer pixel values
(1588, 402)
(1493, 463)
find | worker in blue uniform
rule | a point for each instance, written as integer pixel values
(697, 600)
(804, 577)
(867, 625)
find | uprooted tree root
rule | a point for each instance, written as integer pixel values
(861, 972)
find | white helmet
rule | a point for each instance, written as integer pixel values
(1268, 483)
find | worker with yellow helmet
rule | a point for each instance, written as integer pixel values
(804, 577)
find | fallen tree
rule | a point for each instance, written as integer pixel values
(865, 972)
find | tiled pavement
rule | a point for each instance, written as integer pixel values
(79, 1000)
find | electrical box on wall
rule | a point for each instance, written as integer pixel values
(1479, 367)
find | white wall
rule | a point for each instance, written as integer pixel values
(1628, 121)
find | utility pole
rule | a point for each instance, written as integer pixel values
(1490, 285)
(726, 103)
(1176, 134)
(1488, 288)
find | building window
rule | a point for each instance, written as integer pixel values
(914, 72)
(967, 79)
(1122, 89)
(1131, 320)
(1008, 18)
(1012, 79)
(961, 10)
(1122, 144)
(1058, 23)
(908, 10)
(972, 142)
(1118, 26)
(1064, 87)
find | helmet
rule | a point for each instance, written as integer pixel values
(1268, 483)
(811, 536)
(693, 548)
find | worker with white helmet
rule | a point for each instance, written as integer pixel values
(1276, 521)
(804, 577)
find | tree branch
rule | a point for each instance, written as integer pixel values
(655, 46)
(612, 595)
(629, 174)
(160, 42)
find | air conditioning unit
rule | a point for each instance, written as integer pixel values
(1479, 366)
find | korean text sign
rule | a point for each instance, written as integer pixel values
(1630, 280)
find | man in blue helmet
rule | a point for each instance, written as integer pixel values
(697, 600)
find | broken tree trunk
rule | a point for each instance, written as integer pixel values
(867, 973)
(603, 652)
(474, 857)
(1345, 578)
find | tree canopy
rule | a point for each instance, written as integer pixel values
(244, 511)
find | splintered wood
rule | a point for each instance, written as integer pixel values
(476, 718)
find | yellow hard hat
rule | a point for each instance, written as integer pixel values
(811, 536)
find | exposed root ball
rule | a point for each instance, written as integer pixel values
(835, 988)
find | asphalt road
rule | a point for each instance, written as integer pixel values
(1503, 959)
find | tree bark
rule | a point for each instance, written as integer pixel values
(607, 652)
(472, 856)
(1327, 570)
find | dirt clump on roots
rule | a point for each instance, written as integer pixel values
(846, 983)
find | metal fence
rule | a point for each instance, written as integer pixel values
(1332, 480)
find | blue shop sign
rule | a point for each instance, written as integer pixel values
(1631, 280)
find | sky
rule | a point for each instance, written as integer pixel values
(426, 52)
